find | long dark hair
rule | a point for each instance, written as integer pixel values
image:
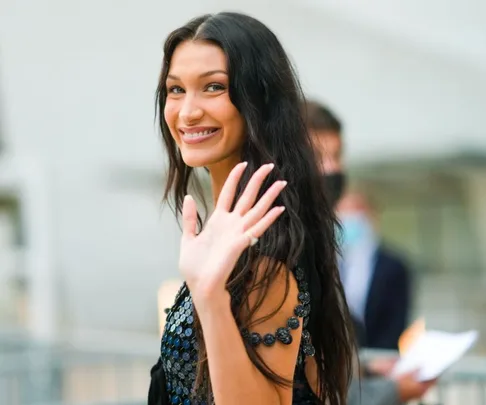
(265, 90)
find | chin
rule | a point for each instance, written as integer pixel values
(195, 160)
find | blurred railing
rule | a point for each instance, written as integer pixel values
(118, 373)
(73, 374)
(463, 384)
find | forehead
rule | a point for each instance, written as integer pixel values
(196, 57)
(329, 141)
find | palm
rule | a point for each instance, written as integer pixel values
(216, 248)
(207, 259)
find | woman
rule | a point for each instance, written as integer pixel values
(261, 317)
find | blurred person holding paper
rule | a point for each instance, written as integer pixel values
(377, 387)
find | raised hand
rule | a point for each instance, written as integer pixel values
(207, 260)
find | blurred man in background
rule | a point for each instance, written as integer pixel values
(376, 388)
(325, 129)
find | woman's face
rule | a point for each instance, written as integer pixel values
(206, 126)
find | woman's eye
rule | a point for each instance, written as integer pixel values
(176, 90)
(215, 87)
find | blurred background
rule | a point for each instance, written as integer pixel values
(84, 241)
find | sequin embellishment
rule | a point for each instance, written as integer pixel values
(179, 348)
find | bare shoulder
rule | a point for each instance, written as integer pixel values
(273, 295)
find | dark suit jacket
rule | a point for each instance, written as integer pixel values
(388, 303)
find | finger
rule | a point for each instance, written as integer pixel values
(428, 384)
(227, 195)
(250, 194)
(189, 217)
(263, 204)
(261, 226)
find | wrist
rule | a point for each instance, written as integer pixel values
(208, 300)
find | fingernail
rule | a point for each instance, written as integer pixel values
(283, 183)
(188, 197)
(244, 164)
(281, 209)
(270, 166)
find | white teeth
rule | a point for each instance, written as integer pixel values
(198, 134)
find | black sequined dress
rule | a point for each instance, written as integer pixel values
(173, 377)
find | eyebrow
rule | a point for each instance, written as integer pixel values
(205, 74)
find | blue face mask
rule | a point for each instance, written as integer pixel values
(356, 229)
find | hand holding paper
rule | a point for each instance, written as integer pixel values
(433, 352)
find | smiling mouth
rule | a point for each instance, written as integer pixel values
(202, 134)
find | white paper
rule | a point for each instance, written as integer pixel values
(434, 352)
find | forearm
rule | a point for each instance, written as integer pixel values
(234, 378)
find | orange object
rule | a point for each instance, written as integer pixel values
(410, 335)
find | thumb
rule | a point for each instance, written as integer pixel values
(189, 217)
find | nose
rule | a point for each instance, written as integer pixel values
(190, 111)
(330, 164)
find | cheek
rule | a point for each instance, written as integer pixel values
(170, 113)
(232, 119)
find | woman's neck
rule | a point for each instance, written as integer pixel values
(219, 172)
